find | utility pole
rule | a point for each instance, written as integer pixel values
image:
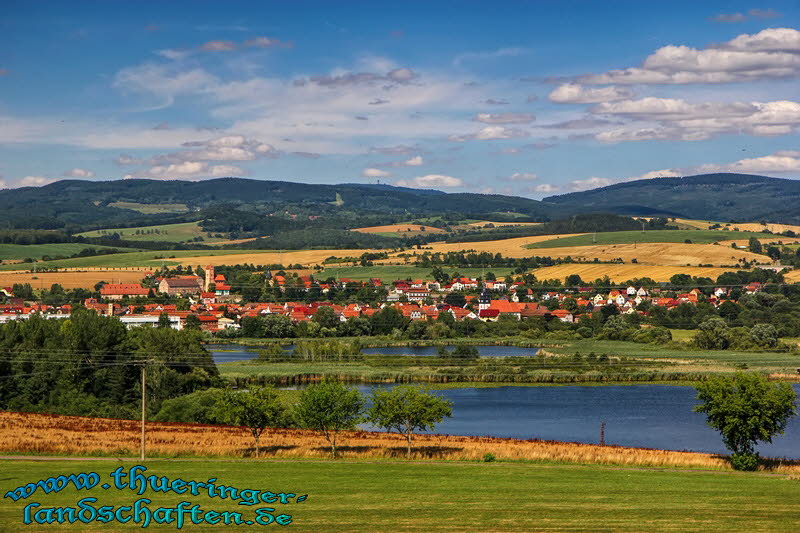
(144, 390)
(602, 434)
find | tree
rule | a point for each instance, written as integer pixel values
(754, 245)
(455, 299)
(163, 320)
(407, 409)
(746, 408)
(192, 322)
(326, 317)
(714, 334)
(330, 407)
(256, 409)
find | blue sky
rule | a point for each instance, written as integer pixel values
(524, 98)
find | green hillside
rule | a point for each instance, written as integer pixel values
(630, 237)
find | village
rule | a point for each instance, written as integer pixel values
(207, 302)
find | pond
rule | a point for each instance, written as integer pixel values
(649, 416)
(227, 353)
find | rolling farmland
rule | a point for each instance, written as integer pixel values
(400, 229)
(37, 251)
(630, 237)
(674, 254)
(167, 233)
(85, 279)
(620, 273)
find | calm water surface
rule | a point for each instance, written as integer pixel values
(650, 416)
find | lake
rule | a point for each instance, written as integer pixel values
(227, 353)
(648, 416)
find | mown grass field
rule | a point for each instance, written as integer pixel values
(36, 251)
(434, 496)
(629, 237)
(151, 209)
(166, 233)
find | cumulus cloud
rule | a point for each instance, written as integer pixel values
(527, 148)
(677, 119)
(414, 161)
(79, 173)
(579, 124)
(496, 101)
(431, 181)
(589, 183)
(187, 170)
(524, 176)
(125, 159)
(375, 173)
(226, 148)
(575, 93)
(778, 163)
(769, 54)
(504, 118)
(490, 133)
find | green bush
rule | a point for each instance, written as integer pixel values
(747, 462)
(489, 458)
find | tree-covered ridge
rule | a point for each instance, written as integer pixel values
(723, 196)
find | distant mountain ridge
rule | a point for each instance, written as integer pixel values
(722, 196)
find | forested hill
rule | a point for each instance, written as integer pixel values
(723, 197)
(78, 202)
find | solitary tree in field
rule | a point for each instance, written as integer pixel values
(256, 409)
(407, 409)
(330, 407)
(746, 408)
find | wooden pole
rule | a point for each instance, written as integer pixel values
(144, 388)
(602, 434)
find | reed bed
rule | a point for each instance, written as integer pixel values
(42, 434)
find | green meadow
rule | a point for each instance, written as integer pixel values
(37, 251)
(182, 232)
(351, 495)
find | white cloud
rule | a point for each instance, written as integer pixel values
(375, 173)
(219, 46)
(79, 173)
(504, 118)
(524, 176)
(589, 183)
(546, 188)
(414, 161)
(574, 93)
(34, 181)
(780, 162)
(187, 170)
(267, 42)
(490, 133)
(728, 18)
(653, 174)
(432, 181)
(670, 119)
(769, 54)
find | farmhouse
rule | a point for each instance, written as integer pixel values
(118, 291)
(182, 286)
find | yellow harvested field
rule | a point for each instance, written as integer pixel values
(620, 273)
(508, 247)
(302, 257)
(771, 240)
(482, 223)
(85, 278)
(657, 253)
(400, 228)
(741, 226)
(793, 276)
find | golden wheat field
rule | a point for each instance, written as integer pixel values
(508, 247)
(482, 223)
(41, 434)
(620, 273)
(771, 240)
(657, 253)
(85, 279)
(302, 257)
(401, 228)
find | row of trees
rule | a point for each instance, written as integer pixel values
(330, 408)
